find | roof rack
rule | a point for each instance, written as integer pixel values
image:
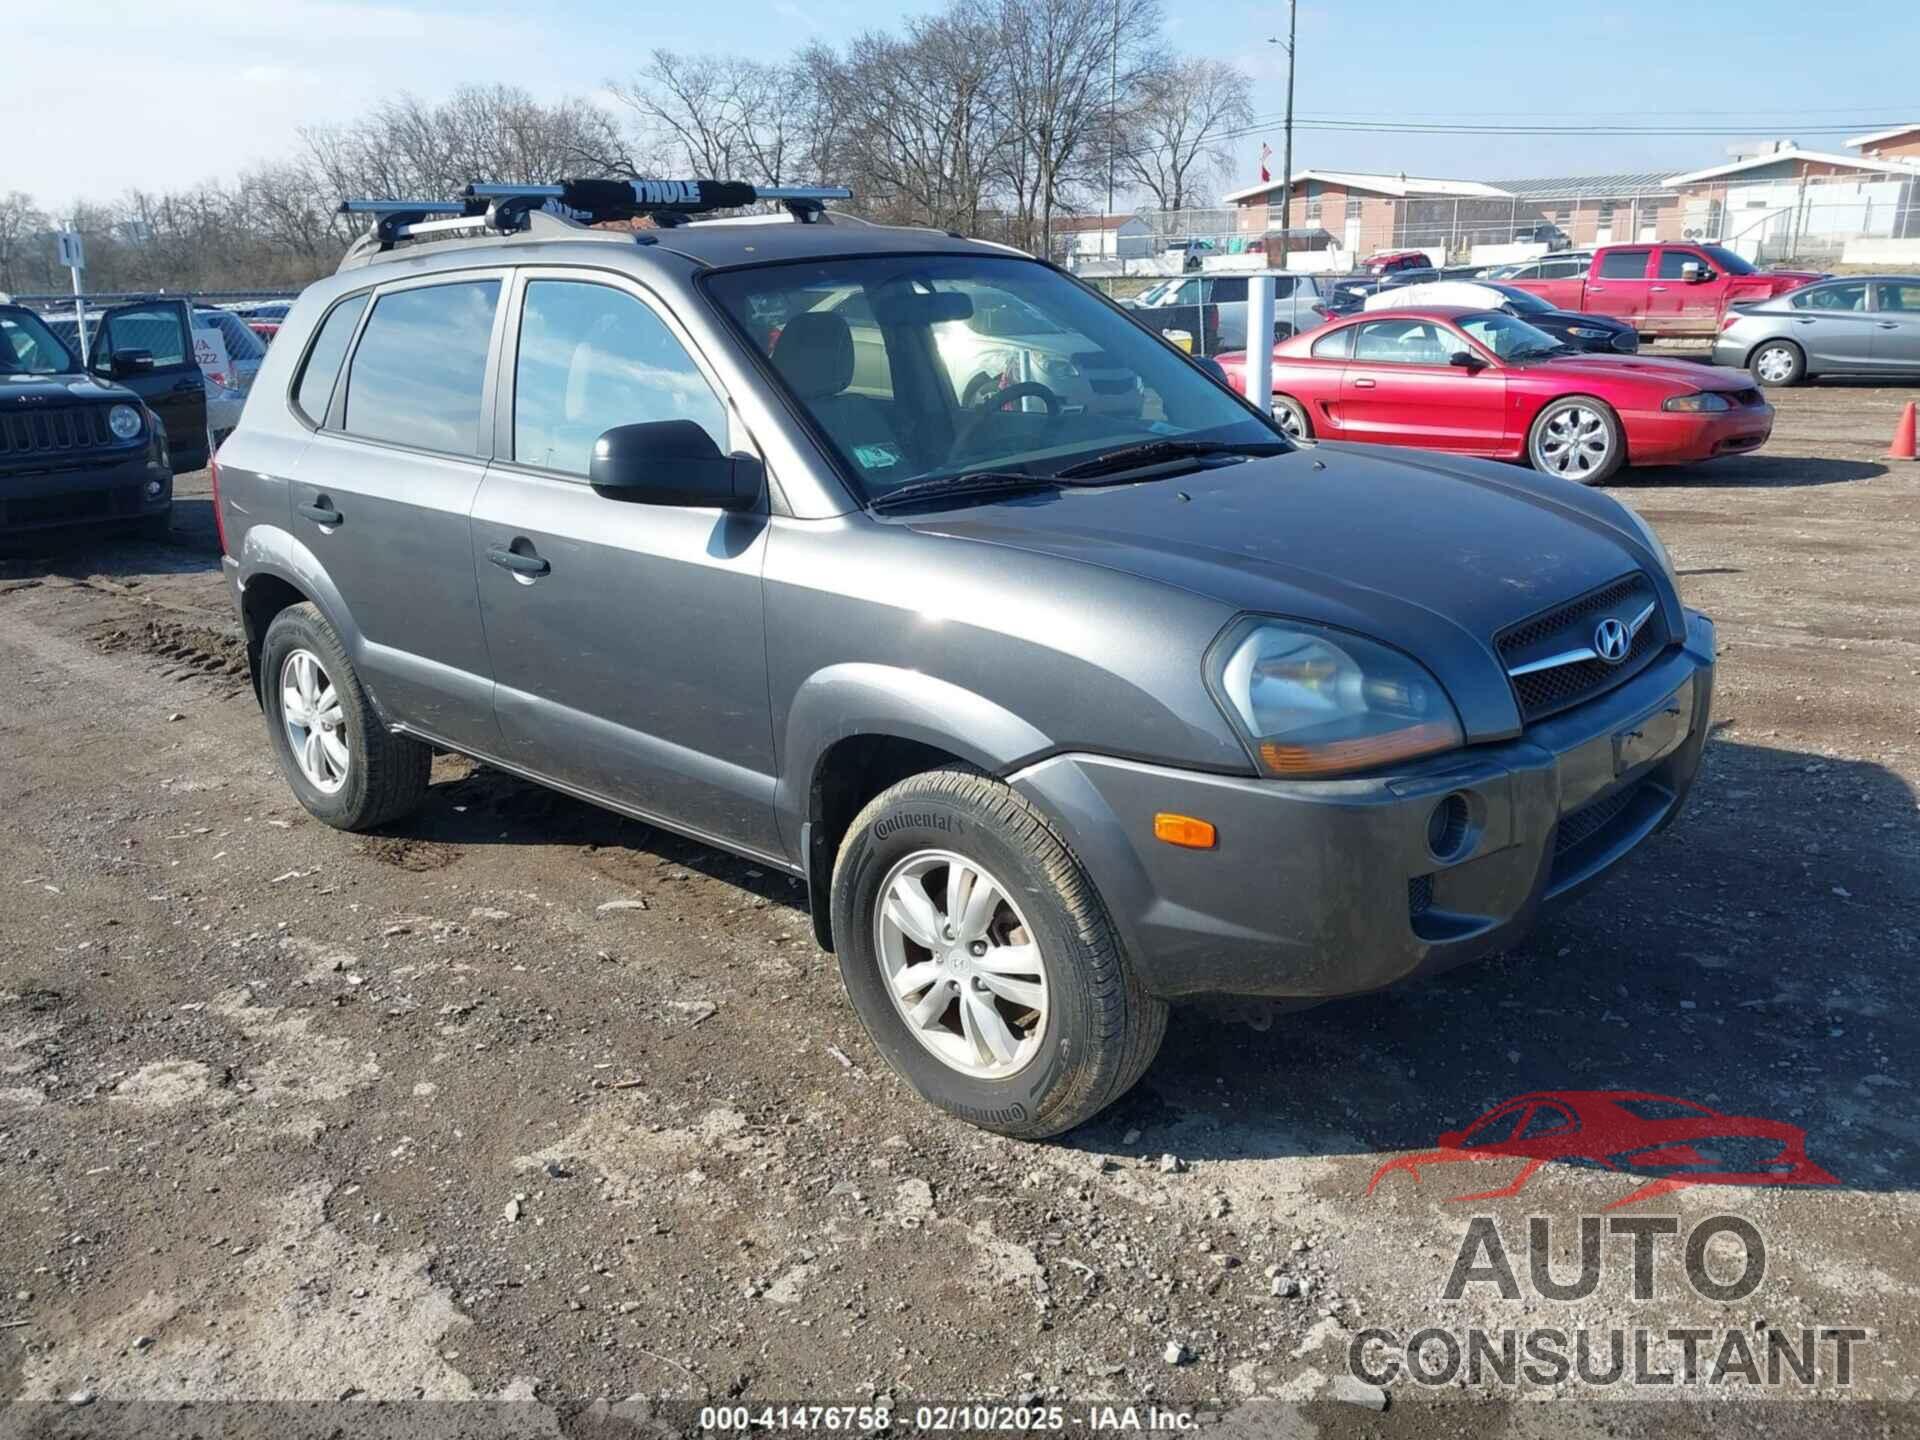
(500, 208)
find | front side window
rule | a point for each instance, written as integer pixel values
(1726, 262)
(921, 391)
(155, 329)
(1624, 264)
(591, 358)
(1673, 263)
(1850, 295)
(315, 391)
(419, 373)
(28, 347)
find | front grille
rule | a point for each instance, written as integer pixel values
(74, 507)
(1579, 826)
(36, 431)
(1570, 627)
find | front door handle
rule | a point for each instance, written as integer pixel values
(1660, 288)
(518, 563)
(320, 512)
(1364, 384)
(1888, 324)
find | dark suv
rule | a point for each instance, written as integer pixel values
(1060, 711)
(74, 448)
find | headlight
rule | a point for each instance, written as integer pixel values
(1310, 702)
(1587, 333)
(1700, 400)
(1653, 543)
(1056, 365)
(124, 421)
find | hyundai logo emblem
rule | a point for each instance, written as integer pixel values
(1611, 641)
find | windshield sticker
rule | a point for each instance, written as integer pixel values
(876, 457)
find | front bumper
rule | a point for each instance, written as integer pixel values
(1674, 437)
(83, 492)
(1317, 889)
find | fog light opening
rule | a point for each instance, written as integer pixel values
(1450, 828)
(154, 487)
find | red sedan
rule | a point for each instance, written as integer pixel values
(1481, 382)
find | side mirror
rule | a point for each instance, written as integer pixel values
(1693, 272)
(1466, 360)
(672, 462)
(123, 363)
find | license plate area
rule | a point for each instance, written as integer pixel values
(1656, 734)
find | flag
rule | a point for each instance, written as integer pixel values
(1266, 154)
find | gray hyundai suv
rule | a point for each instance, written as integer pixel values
(1061, 712)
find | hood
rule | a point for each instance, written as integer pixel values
(1431, 554)
(1573, 317)
(17, 391)
(1681, 377)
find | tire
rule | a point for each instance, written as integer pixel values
(1592, 446)
(1782, 360)
(1293, 417)
(1081, 1046)
(382, 777)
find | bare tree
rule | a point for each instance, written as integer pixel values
(22, 224)
(1069, 66)
(1175, 136)
(720, 116)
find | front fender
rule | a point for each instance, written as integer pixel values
(841, 701)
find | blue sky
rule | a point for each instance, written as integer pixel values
(232, 81)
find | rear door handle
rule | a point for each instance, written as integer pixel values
(520, 564)
(319, 513)
(1660, 288)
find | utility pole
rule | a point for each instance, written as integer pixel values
(1286, 154)
(1113, 113)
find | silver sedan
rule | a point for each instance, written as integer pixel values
(1849, 325)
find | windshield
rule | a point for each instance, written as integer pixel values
(28, 347)
(1508, 338)
(1523, 299)
(917, 367)
(1729, 263)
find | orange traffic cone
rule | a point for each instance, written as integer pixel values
(1903, 435)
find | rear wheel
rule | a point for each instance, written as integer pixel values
(1578, 439)
(344, 765)
(1292, 417)
(1778, 363)
(981, 960)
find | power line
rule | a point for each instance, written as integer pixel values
(1358, 127)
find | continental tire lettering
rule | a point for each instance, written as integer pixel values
(1003, 1115)
(925, 820)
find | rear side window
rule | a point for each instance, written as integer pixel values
(315, 389)
(152, 328)
(1624, 265)
(421, 366)
(1336, 345)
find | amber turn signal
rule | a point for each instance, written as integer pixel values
(1183, 830)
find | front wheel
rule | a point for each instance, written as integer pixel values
(982, 962)
(1778, 364)
(1578, 439)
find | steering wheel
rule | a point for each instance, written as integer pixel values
(990, 400)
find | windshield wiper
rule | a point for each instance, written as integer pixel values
(1159, 452)
(973, 483)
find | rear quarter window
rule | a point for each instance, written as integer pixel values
(1335, 345)
(313, 392)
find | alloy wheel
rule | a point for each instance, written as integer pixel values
(1289, 421)
(1575, 442)
(961, 964)
(315, 724)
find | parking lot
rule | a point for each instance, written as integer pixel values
(521, 1098)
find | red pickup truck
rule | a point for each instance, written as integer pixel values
(1664, 289)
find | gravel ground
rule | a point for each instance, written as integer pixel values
(521, 1099)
